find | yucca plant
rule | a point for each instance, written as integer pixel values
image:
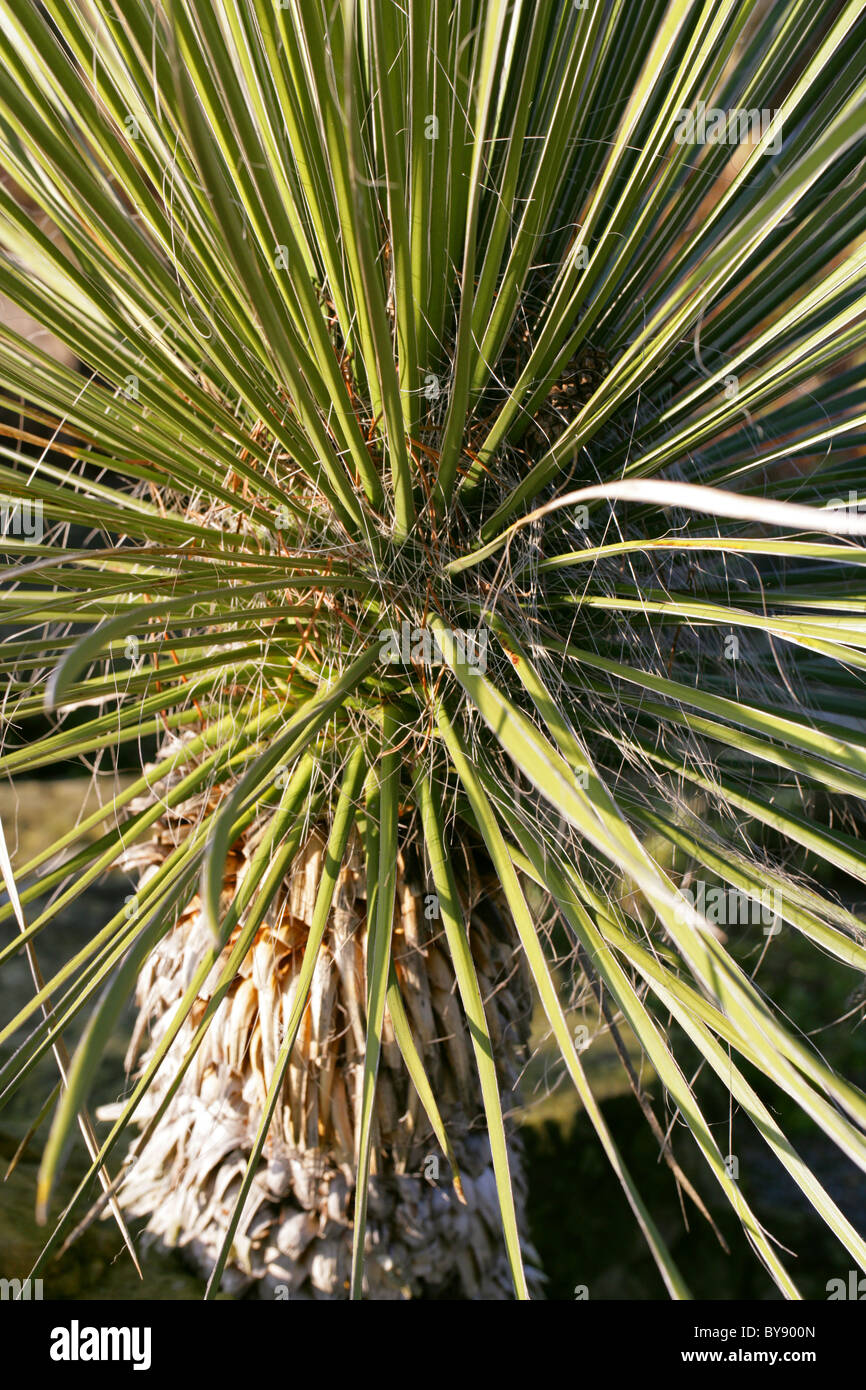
(452, 506)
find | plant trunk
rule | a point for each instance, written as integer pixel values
(295, 1236)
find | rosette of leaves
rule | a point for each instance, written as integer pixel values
(424, 319)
